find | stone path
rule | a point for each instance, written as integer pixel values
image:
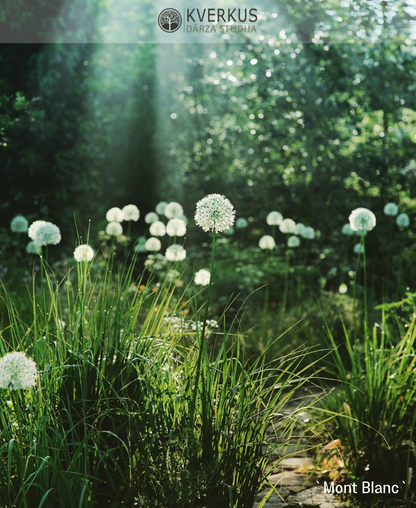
(297, 480)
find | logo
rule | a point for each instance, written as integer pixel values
(170, 20)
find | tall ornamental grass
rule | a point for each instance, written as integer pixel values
(130, 411)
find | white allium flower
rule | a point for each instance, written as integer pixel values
(293, 241)
(44, 233)
(17, 371)
(214, 212)
(300, 228)
(241, 223)
(308, 233)
(31, 248)
(346, 230)
(83, 253)
(391, 209)
(362, 219)
(175, 253)
(267, 242)
(402, 220)
(202, 277)
(358, 248)
(274, 218)
(114, 229)
(176, 227)
(343, 288)
(173, 210)
(131, 212)
(19, 224)
(160, 207)
(153, 244)
(288, 226)
(115, 215)
(157, 229)
(151, 217)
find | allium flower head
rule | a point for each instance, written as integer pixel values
(153, 244)
(175, 253)
(115, 215)
(176, 227)
(343, 288)
(267, 242)
(402, 220)
(131, 212)
(19, 224)
(362, 219)
(173, 210)
(44, 233)
(308, 233)
(17, 371)
(288, 226)
(346, 230)
(157, 229)
(241, 223)
(214, 213)
(274, 218)
(151, 217)
(202, 277)
(358, 248)
(83, 253)
(300, 228)
(114, 229)
(160, 207)
(31, 248)
(293, 241)
(391, 209)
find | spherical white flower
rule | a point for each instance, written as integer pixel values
(115, 215)
(362, 219)
(153, 244)
(114, 229)
(402, 220)
(173, 210)
(176, 227)
(160, 207)
(308, 233)
(17, 371)
(274, 218)
(131, 212)
(214, 213)
(19, 224)
(346, 230)
(157, 229)
(151, 217)
(175, 253)
(241, 223)
(343, 288)
(44, 233)
(300, 228)
(267, 242)
(32, 248)
(288, 226)
(358, 248)
(293, 241)
(83, 253)
(202, 277)
(391, 209)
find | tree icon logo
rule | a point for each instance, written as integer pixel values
(169, 20)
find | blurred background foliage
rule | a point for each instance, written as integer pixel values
(311, 121)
